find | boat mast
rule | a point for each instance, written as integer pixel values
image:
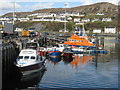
(83, 29)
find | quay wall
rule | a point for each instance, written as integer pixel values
(10, 51)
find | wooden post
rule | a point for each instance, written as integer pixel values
(96, 54)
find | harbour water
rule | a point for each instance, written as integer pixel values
(80, 71)
(85, 71)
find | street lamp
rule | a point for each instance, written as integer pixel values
(65, 4)
(13, 12)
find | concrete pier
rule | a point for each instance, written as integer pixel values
(10, 51)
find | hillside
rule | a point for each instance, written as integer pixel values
(103, 7)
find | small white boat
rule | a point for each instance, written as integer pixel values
(29, 61)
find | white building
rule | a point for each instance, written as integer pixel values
(23, 19)
(86, 20)
(97, 31)
(69, 18)
(76, 19)
(63, 30)
(18, 29)
(34, 14)
(110, 30)
(73, 14)
(100, 14)
(5, 19)
(79, 23)
(95, 20)
(106, 19)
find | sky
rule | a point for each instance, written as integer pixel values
(31, 5)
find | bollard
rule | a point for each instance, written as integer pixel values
(5, 69)
(7, 60)
(3, 61)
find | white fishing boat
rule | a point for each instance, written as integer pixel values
(29, 61)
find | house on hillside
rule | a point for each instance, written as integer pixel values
(18, 29)
(23, 19)
(37, 19)
(96, 19)
(106, 19)
(5, 19)
(100, 14)
(76, 19)
(110, 30)
(62, 30)
(86, 20)
(97, 31)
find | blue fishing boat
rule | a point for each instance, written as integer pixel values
(54, 53)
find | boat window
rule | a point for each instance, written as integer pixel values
(80, 40)
(32, 57)
(26, 57)
(89, 39)
(38, 58)
(20, 57)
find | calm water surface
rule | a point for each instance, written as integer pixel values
(81, 71)
(84, 71)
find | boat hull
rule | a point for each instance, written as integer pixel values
(89, 47)
(54, 54)
(31, 68)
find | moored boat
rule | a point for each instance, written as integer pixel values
(80, 40)
(29, 61)
(55, 60)
(54, 53)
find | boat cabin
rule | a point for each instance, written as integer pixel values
(28, 54)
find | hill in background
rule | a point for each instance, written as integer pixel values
(102, 7)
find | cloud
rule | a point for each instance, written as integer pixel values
(42, 5)
(8, 5)
(110, 1)
(86, 2)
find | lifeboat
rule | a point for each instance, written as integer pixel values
(79, 39)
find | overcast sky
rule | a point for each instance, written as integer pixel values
(30, 5)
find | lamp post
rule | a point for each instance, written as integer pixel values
(14, 16)
(65, 4)
(14, 12)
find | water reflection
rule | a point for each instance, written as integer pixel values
(67, 58)
(80, 59)
(31, 80)
(54, 60)
(19, 81)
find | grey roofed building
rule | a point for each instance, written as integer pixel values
(8, 27)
